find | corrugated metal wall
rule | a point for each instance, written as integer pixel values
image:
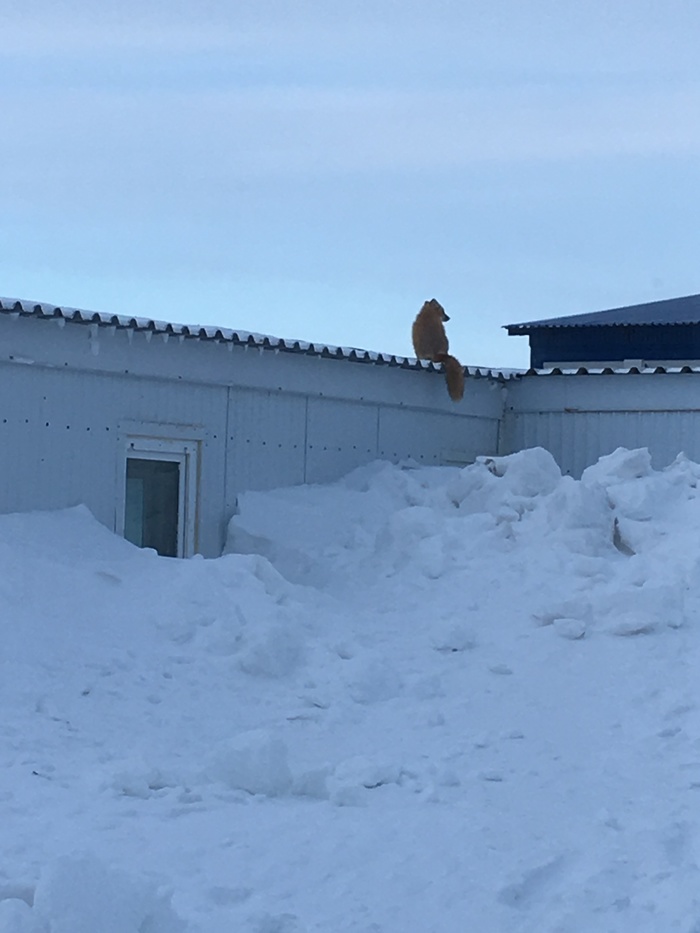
(278, 439)
(580, 418)
(71, 395)
(62, 434)
(265, 439)
(441, 438)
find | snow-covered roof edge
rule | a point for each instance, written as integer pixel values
(611, 370)
(24, 308)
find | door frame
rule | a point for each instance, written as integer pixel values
(185, 452)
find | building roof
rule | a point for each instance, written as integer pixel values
(642, 369)
(22, 308)
(670, 311)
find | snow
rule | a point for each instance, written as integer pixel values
(427, 700)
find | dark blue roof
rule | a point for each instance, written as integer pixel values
(669, 311)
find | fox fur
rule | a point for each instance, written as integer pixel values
(430, 343)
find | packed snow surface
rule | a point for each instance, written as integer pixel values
(419, 700)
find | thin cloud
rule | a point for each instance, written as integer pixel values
(69, 140)
(543, 36)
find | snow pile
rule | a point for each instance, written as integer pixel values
(416, 699)
(79, 894)
(598, 552)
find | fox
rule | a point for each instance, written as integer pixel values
(430, 343)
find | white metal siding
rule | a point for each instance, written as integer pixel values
(433, 438)
(580, 418)
(578, 439)
(70, 396)
(266, 440)
(60, 439)
(340, 437)
(280, 439)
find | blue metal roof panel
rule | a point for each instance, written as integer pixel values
(670, 311)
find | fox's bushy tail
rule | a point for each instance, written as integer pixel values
(454, 374)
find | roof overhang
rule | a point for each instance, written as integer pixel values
(16, 307)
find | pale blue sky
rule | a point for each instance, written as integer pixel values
(318, 169)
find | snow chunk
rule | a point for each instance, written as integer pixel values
(136, 778)
(632, 623)
(532, 472)
(79, 894)
(354, 776)
(638, 609)
(453, 635)
(413, 535)
(275, 651)
(373, 680)
(255, 762)
(275, 923)
(572, 629)
(361, 771)
(16, 916)
(620, 466)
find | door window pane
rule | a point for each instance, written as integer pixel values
(152, 504)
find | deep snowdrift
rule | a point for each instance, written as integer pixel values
(416, 700)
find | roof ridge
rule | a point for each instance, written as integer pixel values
(18, 306)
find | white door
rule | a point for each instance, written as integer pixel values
(159, 488)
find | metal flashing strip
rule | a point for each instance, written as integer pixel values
(613, 371)
(561, 324)
(668, 312)
(15, 307)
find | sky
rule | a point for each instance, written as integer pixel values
(317, 170)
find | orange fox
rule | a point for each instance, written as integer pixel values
(430, 343)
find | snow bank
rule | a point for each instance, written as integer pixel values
(582, 554)
(418, 699)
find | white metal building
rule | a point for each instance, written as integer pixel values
(626, 377)
(157, 427)
(583, 414)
